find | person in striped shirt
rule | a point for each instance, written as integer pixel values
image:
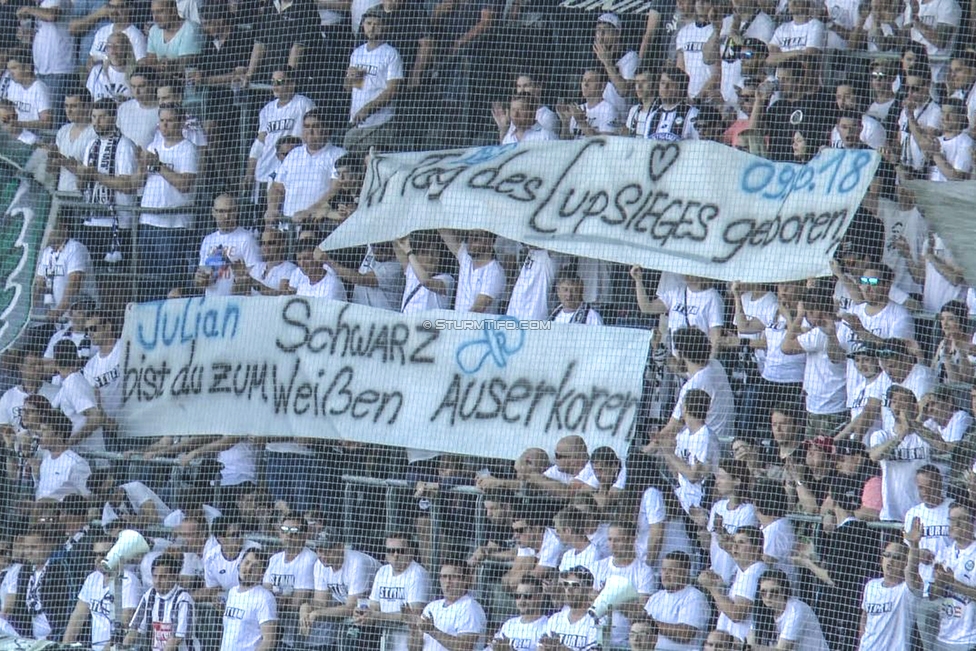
(166, 612)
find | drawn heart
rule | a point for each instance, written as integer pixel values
(662, 158)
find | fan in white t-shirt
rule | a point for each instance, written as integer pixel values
(952, 151)
(735, 603)
(797, 626)
(227, 255)
(572, 308)
(689, 303)
(481, 278)
(900, 452)
(573, 627)
(804, 36)
(424, 288)
(373, 77)
(694, 454)
(29, 94)
(620, 64)
(623, 563)
(401, 582)
(690, 44)
(379, 279)
(530, 294)
(291, 575)
(457, 619)
(680, 610)
(888, 605)
(524, 631)
(250, 621)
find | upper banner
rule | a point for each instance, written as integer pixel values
(444, 381)
(690, 207)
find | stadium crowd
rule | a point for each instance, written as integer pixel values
(848, 399)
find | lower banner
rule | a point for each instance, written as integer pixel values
(450, 382)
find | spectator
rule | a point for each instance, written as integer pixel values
(794, 99)
(795, 623)
(961, 83)
(250, 614)
(110, 179)
(119, 15)
(72, 138)
(940, 423)
(570, 526)
(888, 606)
(803, 36)
(572, 627)
(290, 576)
(866, 386)
(139, 116)
(108, 79)
(31, 96)
(96, 602)
(720, 641)
(779, 538)
(934, 25)
(399, 592)
(619, 64)
(424, 288)
(953, 358)
(301, 189)
(531, 293)
(572, 308)
(545, 118)
(521, 122)
(172, 42)
(62, 471)
(525, 629)
(919, 120)
(167, 609)
(77, 400)
(704, 79)
(595, 115)
(273, 269)
(853, 471)
(624, 563)
(314, 278)
(669, 116)
(746, 25)
(901, 367)
(454, 623)
(53, 49)
(373, 77)
(690, 302)
(222, 560)
(379, 280)
(679, 610)
(882, 29)
(694, 454)
(170, 164)
(951, 152)
(229, 254)
(952, 580)
(43, 606)
(729, 513)
(900, 452)
(931, 514)
(342, 577)
(735, 606)
(481, 278)
(12, 403)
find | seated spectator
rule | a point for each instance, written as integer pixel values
(274, 268)
(379, 280)
(679, 609)
(31, 96)
(525, 629)
(619, 64)
(794, 622)
(595, 115)
(119, 13)
(667, 115)
(342, 577)
(72, 138)
(139, 116)
(108, 79)
(96, 602)
(373, 78)
(526, 83)
(250, 621)
(399, 592)
(521, 121)
(572, 627)
(454, 623)
(166, 612)
(735, 605)
(888, 606)
(732, 511)
(481, 278)
(301, 188)
(803, 36)
(228, 255)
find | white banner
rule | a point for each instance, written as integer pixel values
(949, 209)
(298, 367)
(691, 207)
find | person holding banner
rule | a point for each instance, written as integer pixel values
(424, 288)
(481, 278)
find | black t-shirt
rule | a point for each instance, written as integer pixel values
(404, 29)
(278, 31)
(234, 53)
(813, 115)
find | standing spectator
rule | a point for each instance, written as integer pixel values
(222, 559)
(77, 400)
(273, 269)
(545, 118)
(694, 454)
(170, 163)
(941, 424)
(53, 48)
(703, 78)
(424, 288)
(794, 109)
(399, 591)
(379, 280)
(920, 119)
(166, 611)
(42, 604)
(73, 138)
(624, 563)
(481, 278)
(64, 274)
(172, 42)
(110, 179)
(952, 361)
(96, 602)
(595, 115)
(30, 95)
(803, 36)
(679, 609)
(524, 631)
(877, 317)
(454, 623)
(794, 623)
(746, 25)
(954, 579)
(530, 297)
(290, 576)
(373, 78)
(572, 627)
(901, 368)
(735, 606)
(522, 123)
(935, 25)
(572, 308)
(250, 620)
(690, 302)
(951, 152)
(304, 183)
(900, 452)
(62, 471)
(108, 79)
(313, 278)
(139, 116)
(888, 606)
(579, 549)
(729, 514)
(119, 14)
(229, 254)
(619, 64)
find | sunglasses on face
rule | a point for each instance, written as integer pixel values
(879, 74)
(892, 555)
(869, 280)
(279, 82)
(396, 550)
(289, 529)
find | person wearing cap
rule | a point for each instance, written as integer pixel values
(901, 367)
(454, 623)
(851, 473)
(373, 77)
(900, 452)
(573, 627)
(342, 577)
(620, 65)
(931, 516)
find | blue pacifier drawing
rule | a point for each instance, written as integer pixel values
(495, 344)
